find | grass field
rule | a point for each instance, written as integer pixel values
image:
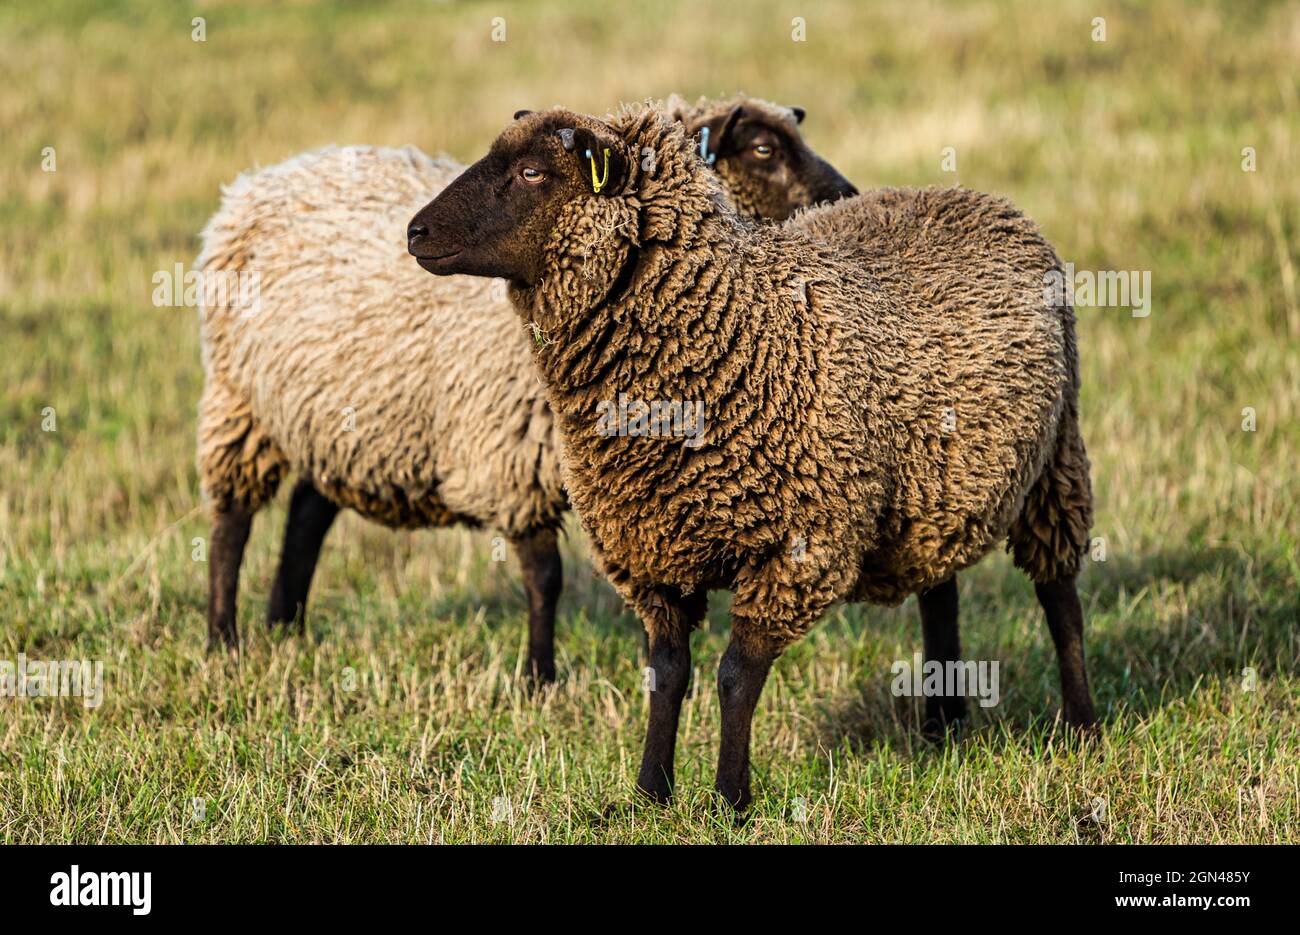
(1128, 152)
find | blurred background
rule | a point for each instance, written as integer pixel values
(1156, 137)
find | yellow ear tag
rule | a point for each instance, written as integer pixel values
(598, 183)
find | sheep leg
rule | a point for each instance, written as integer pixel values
(942, 644)
(310, 517)
(1060, 600)
(230, 529)
(539, 558)
(741, 675)
(667, 677)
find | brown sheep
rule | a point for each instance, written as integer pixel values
(823, 471)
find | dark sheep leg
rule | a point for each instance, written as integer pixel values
(1060, 600)
(741, 676)
(310, 518)
(539, 559)
(670, 672)
(230, 528)
(942, 643)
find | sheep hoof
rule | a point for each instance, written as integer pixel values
(724, 813)
(216, 646)
(1083, 725)
(658, 792)
(283, 620)
(737, 800)
(279, 632)
(541, 668)
(538, 680)
(944, 720)
(938, 732)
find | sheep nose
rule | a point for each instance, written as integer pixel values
(414, 234)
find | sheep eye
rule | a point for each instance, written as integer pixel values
(764, 150)
(531, 176)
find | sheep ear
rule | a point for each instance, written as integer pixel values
(522, 113)
(602, 162)
(713, 143)
(799, 113)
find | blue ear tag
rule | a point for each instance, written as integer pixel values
(708, 157)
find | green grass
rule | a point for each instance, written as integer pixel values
(1127, 152)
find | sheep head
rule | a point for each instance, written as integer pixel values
(756, 148)
(543, 174)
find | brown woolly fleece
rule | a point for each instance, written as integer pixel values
(887, 393)
(414, 402)
(928, 241)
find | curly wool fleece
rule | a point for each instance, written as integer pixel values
(888, 394)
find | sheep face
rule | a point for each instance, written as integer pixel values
(761, 157)
(497, 218)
